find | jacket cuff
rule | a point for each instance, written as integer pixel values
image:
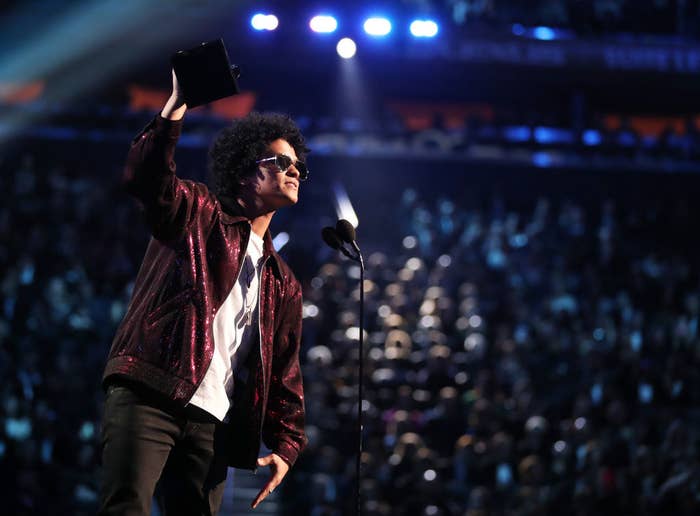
(287, 452)
(166, 127)
(159, 126)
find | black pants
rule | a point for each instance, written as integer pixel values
(146, 442)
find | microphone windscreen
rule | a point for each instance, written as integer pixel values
(331, 238)
(345, 231)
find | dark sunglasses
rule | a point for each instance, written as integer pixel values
(283, 162)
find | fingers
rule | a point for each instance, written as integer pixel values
(266, 461)
(177, 89)
(261, 496)
(279, 470)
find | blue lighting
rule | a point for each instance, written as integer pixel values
(541, 159)
(627, 139)
(517, 133)
(261, 21)
(549, 135)
(424, 28)
(592, 137)
(377, 26)
(280, 241)
(544, 33)
(518, 29)
(323, 23)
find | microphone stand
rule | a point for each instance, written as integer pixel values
(360, 384)
(334, 238)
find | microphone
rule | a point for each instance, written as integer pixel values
(333, 240)
(346, 232)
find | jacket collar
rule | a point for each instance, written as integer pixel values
(231, 215)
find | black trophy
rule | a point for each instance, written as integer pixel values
(205, 73)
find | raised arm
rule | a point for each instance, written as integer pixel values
(168, 202)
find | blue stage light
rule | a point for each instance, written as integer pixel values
(377, 26)
(592, 138)
(517, 133)
(323, 23)
(544, 33)
(542, 159)
(262, 21)
(553, 135)
(424, 28)
(518, 29)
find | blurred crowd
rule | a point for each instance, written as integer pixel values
(527, 358)
(69, 245)
(539, 360)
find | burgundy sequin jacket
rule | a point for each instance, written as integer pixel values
(165, 340)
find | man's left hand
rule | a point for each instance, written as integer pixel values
(279, 470)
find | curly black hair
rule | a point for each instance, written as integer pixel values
(235, 150)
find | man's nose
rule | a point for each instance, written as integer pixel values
(292, 170)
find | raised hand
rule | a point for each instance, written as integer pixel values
(175, 107)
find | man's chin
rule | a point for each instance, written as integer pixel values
(287, 201)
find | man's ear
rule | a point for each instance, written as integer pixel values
(245, 180)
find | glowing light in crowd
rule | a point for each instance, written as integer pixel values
(592, 137)
(518, 29)
(323, 23)
(542, 159)
(346, 48)
(544, 33)
(262, 21)
(377, 26)
(424, 28)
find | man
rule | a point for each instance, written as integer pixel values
(206, 360)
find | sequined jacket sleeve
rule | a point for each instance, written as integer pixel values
(283, 431)
(149, 176)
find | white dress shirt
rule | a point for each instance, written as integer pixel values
(235, 326)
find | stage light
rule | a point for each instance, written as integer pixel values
(262, 21)
(377, 26)
(591, 137)
(424, 28)
(544, 33)
(518, 29)
(323, 23)
(517, 133)
(553, 135)
(346, 48)
(542, 159)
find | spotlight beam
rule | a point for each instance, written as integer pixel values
(86, 47)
